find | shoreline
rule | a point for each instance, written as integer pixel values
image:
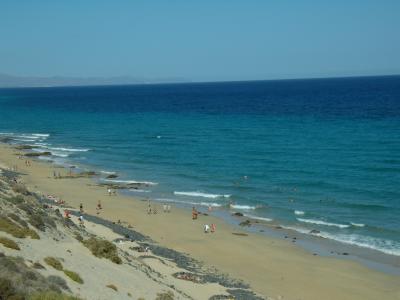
(257, 259)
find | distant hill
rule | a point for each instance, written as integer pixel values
(26, 81)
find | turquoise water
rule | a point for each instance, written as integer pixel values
(307, 154)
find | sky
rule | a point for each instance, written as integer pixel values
(216, 40)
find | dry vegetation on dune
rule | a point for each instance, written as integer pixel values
(15, 230)
(74, 276)
(53, 262)
(103, 248)
(112, 286)
(6, 242)
(20, 282)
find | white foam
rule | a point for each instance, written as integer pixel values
(26, 140)
(258, 218)
(41, 134)
(382, 245)
(67, 149)
(207, 204)
(25, 136)
(59, 154)
(131, 181)
(357, 224)
(319, 222)
(108, 172)
(299, 212)
(244, 207)
(40, 144)
(62, 149)
(298, 229)
(200, 194)
(139, 191)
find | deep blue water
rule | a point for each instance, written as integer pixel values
(309, 154)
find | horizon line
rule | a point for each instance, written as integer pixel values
(180, 82)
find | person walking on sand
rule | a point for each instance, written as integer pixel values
(98, 208)
(109, 191)
(81, 208)
(194, 213)
(213, 228)
(80, 220)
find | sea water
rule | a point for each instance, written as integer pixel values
(319, 154)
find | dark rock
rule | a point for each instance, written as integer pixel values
(245, 223)
(237, 214)
(345, 253)
(314, 231)
(112, 176)
(278, 227)
(36, 154)
(25, 147)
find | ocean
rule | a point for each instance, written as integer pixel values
(321, 154)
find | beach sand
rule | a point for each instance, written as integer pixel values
(273, 267)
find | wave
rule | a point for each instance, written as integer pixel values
(131, 181)
(41, 134)
(40, 144)
(258, 218)
(319, 222)
(298, 229)
(66, 149)
(357, 224)
(108, 172)
(383, 245)
(299, 212)
(139, 191)
(200, 194)
(244, 207)
(212, 204)
(59, 154)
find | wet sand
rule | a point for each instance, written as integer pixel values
(273, 267)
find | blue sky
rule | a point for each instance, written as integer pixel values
(200, 40)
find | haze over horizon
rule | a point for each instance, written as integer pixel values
(207, 41)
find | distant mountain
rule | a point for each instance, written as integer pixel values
(26, 81)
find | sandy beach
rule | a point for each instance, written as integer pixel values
(273, 267)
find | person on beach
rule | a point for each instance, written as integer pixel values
(213, 227)
(98, 207)
(165, 207)
(206, 228)
(81, 208)
(194, 213)
(81, 221)
(67, 214)
(109, 191)
(149, 208)
(54, 175)
(168, 208)
(59, 175)
(115, 192)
